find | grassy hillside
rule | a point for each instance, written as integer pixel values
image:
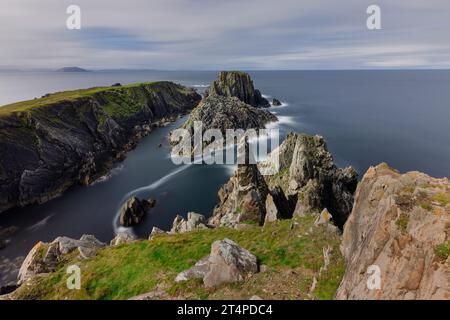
(291, 249)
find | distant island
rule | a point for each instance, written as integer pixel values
(71, 69)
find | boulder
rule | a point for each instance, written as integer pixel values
(194, 221)
(222, 113)
(276, 102)
(134, 210)
(198, 271)
(323, 218)
(227, 263)
(121, 238)
(398, 229)
(156, 232)
(237, 84)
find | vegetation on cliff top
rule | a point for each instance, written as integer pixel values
(291, 249)
(118, 92)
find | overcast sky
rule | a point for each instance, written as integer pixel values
(213, 34)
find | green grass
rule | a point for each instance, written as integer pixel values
(427, 206)
(131, 269)
(66, 96)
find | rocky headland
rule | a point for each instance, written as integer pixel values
(237, 84)
(50, 144)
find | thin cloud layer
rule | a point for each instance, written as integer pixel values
(248, 34)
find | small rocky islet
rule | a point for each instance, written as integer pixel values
(309, 231)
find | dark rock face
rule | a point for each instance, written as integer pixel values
(237, 84)
(134, 210)
(220, 112)
(276, 102)
(312, 181)
(47, 149)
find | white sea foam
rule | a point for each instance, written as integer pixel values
(152, 186)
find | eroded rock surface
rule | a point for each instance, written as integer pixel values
(221, 112)
(400, 224)
(237, 84)
(134, 210)
(44, 150)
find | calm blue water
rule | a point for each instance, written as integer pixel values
(367, 117)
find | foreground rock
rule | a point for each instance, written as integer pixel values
(194, 221)
(134, 210)
(44, 257)
(51, 144)
(237, 84)
(400, 226)
(227, 263)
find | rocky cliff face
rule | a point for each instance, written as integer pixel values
(220, 112)
(307, 182)
(399, 226)
(237, 84)
(50, 144)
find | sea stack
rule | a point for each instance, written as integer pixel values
(237, 84)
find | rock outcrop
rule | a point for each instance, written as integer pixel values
(220, 112)
(237, 84)
(227, 263)
(134, 210)
(242, 198)
(121, 238)
(156, 232)
(399, 230)
(44, 257)
(194, 221)
(50, 144)
(311, 179)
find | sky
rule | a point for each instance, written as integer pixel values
(231, 34)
